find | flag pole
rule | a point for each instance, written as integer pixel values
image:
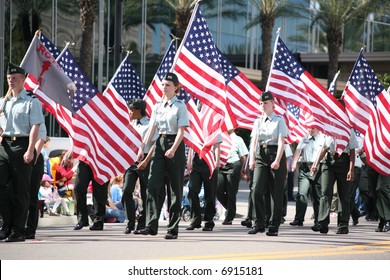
(273, 58)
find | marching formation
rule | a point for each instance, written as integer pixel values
(184, 124)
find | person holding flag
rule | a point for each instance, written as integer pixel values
(268, 160)
(19, 125)
(169, 118)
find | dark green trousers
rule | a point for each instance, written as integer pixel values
(174, 169)
(383, 198)
(307, 185)
(335, 170)
(35, 183)
(199, 176)
(267, 180)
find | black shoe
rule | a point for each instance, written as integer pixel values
(137, 231)
(80, 225)
(4, 232)
(246, 223)
(146, 231)
(96, 226)
(128, 230)
(170, 235)
(255, 230)
(192, 227)
(386, 227)
(296, 223)
(355, 221)
(342, 230)
(206, 228)
(320, 228)
(226, 222)
(15, 237)
(30, 236)
(271, 233)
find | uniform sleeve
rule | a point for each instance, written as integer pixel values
(182, 120)
(242, 149)
(36, 115)
(255, 128)
(283, 130)
(353, 142)
(42, 132)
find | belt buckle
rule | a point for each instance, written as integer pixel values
(13, 138)
(164, 135)
(264, 146)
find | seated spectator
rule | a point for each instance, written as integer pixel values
(65, 172)
(114, 207)
(49, 194)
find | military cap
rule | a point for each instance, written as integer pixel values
(266, 96)
(14, 69)
(137, 104)
(171, 77)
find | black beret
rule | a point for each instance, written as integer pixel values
(171, 77)
(137, 104)
(14, 69)
(266, 96)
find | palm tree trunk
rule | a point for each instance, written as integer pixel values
(88, 10)
(267, 23)
(334, 38)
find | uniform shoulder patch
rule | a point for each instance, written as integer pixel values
(31, 94)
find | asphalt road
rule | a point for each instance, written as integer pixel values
(56, 240)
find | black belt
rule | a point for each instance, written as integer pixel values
(266, 146)
(16, 138)
(307, 163)
(168, 135)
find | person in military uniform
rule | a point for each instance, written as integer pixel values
(19, 126)
(340, 169)
(139, 170)
(268, 160)
(229, 177)
(308, 149)
(200, 175)
(169, 118)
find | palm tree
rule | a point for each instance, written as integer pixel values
(182, 10)
(88, 9)
(332, 15)
(269, 10)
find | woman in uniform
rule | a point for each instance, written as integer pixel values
(267, 159)
(169, 118)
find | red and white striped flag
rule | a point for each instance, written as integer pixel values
(290, 82)
(198, 66)
(368, 106)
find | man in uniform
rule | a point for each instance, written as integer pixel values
(139, 170)
(19, 125)
(340, 169)
(308, 149)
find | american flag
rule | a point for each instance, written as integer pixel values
(127, 83)
(296, 124)
(154, 92)
(98, 124)
(198, 65)
(367, 104)
(290, 82)
(242, 95)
